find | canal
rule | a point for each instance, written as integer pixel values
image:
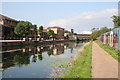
(40, 61)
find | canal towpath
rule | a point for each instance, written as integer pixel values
(103, 64)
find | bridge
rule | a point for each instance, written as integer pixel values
(81, 37)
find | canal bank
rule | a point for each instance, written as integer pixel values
(110, 50)
(8, 43)
(91, 61)
(57, 60)
(81, 64)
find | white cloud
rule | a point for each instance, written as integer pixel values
(86, 20)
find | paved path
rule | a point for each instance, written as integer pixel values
(103, 65)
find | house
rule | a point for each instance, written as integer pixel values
(7, 26)
(58, 49)
(59, 32)
(45, 35)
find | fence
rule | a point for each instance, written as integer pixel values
(112, 38)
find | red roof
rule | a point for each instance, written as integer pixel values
(5, 17)
(55, 27)
(45, 30)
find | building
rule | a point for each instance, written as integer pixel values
(72, 37)
(7, 26)
(58, 49)
(45, 35)
(83, 36)
(59, 32)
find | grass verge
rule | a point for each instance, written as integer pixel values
(81, 68)
(114, 53)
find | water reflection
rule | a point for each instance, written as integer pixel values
(29, 55)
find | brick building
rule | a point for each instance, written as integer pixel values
(7, 26)
(59, 32)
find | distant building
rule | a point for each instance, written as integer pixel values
(59, 32)
(66, 35)
(7, 26)
(83, 36)
(44, 34)
(72, 37)
(86, 32)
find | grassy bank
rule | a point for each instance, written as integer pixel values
(81, 67)
(114, 53)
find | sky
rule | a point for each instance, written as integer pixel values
(80, 16)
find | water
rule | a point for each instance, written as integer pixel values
(37, 61)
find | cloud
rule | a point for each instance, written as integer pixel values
(86, 20)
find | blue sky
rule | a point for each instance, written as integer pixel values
(63, 14)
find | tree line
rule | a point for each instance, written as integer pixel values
(26, 29)
(97, 32)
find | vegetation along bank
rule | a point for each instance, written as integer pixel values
(113, 52)
(81, 67)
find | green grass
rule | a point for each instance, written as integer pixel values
(81, 68)
(114, 53)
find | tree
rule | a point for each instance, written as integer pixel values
(21, 59)
(69, 33)
(40, 30)
(50, 52)
(94, 29)
(51, 33)
(97, 33)
(72, 31)
(33, 32)
(103, 30)
(116, 21)
(66, 31)
(34, 27)
(23, 28)
(40, 55)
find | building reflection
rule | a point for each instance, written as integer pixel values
(59, 49)
(28, 54)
